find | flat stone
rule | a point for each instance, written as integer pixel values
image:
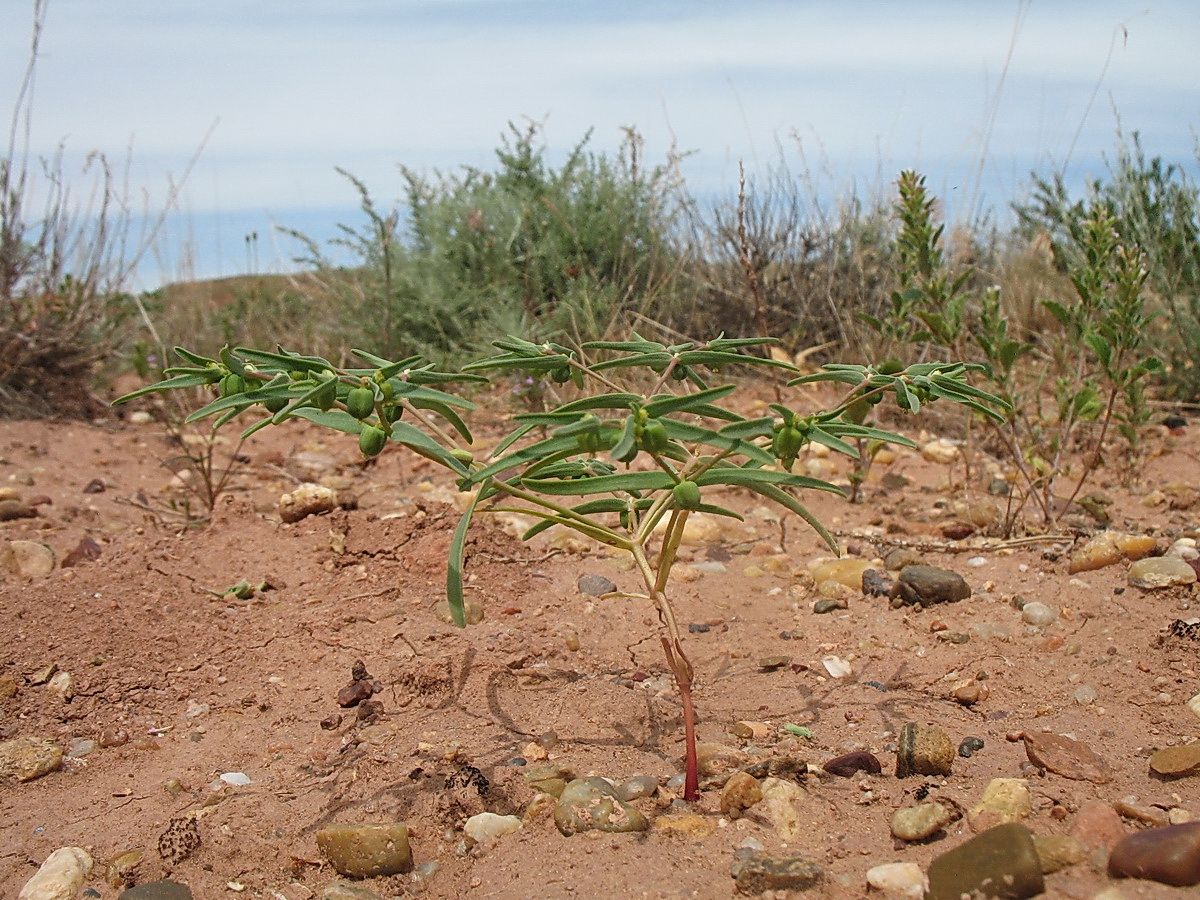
(916, 823)
(27, 758)
(1161, 572)
(717, 760)
(595, 585)
(757, 872)
(1108, 548)
(857, 761)
(1097, 826)
(158, 890)
(28, 559)
(847, 572)
(12, 508)
(687, 825)
(782, 803)
(488, 826)
(903, 880)
(1175, 761)
(60, 877)
(366, 851)
(924, 750)
(927, 585)
(1000, 862)
(1169, 855)
(591, 804)
(1066, 757)
(1058, 851)
(636, 788)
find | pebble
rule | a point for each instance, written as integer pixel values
(1066, 757)
(849, 763)
(472, 611)
(1097, 826)
(548, 779)
(366, 851)
(903, 880)
(60, 877)
(28, 758)
(590, 804)
(1139, 812)
(1085, 694)
(830, 604)
(1161, 572)
(832, 589)
(686, 824)
(1058, 851)
(1110, 547)
(12, 509)
(1038, 613)
(941, 451)
(488, 826)
(781, 803)
(847, 572)
(345, 890)
(29, 559)
(596, 585)
(900, 557)
(741, 792)
(1176, 761)
(636, 788)
(1169, 855)
(717, 760)
(158, 890)
(924, 750)
(916, 823)
(837, 667)
(307, 500)
(1004, 800)
(1000, 862)
(1194, 704)
(967, 747)
(927, 585)
(757, 872)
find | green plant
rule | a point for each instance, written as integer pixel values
(625, 464)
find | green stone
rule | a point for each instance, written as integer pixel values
(366, 851)
(1000, 862)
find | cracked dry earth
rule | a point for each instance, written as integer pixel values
(205, 742)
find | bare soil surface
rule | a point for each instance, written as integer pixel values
(176, 681)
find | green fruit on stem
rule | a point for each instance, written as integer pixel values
(890, 367)
(466, 457)
(561, 375)
(232, 384)
(372, 440)
(275, 404)
(360, 402)
(326, 396)
(652, 437)
(687, 495)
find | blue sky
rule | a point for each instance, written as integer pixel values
(854, 89)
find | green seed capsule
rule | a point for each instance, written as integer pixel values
(890, 367)
(653, 436)
(275, 404)
(372, 440)
(232, 384)
(466, 457)
(325, 397)
(561, 375)
(686, 494)
(360, 402)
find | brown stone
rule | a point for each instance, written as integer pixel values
(849, 763)
(1176, 761)
(1066, 757)
(924, 750)
(1097, 825)
(1168, 855)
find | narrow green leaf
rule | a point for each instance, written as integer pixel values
(454, 564)
(626, 482)
(786, 500)
(178, 381)
(672, 403)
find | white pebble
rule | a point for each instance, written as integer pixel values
(1085, 694)
(1038, 613)
(488, 826)
(1194, 704)
(976, 561)
(903, 879)
(837, 667)
(237, 779)
(60, 877)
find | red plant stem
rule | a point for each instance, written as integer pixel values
(682, 670)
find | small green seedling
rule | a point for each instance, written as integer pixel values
(647, 443)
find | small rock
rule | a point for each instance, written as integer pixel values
(741, 792)
(1004, 800)
(29, 559)
(771, 663)
(877, 584)
(12, 509)
(716, 760)
(689, 825)
(916, 823)
(636, 788)
(346, 890)
(924, 750)
(488, 826)
(901, 557)
(927, 585)
(62, 684)
(1169, 855)
(1066, 757)
(1000, 862)
(590, 804)
(782, 803)
(26, 758)
(970, 692)
(8, 687)
(366, 851)
(857, 761)
(968, 747)
(903, 880)
(1037, 613)
(1110, 547)
(595, 585)
(1139, 812)
(60, 877)
(757, 872)
(941, 451)
(1161, 572)
(1194, 704)
(1176, 761)
(1097, 826)
(548, 779)
(86, 549)
(1058, 851)
(837, 667)
(825, 605)
(472, 611)
(847, 572)
(307, 500)
(158, 890)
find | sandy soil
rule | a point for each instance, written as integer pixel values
(178, 682)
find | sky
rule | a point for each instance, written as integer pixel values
(246, 110)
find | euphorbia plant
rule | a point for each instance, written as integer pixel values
(645, 444)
